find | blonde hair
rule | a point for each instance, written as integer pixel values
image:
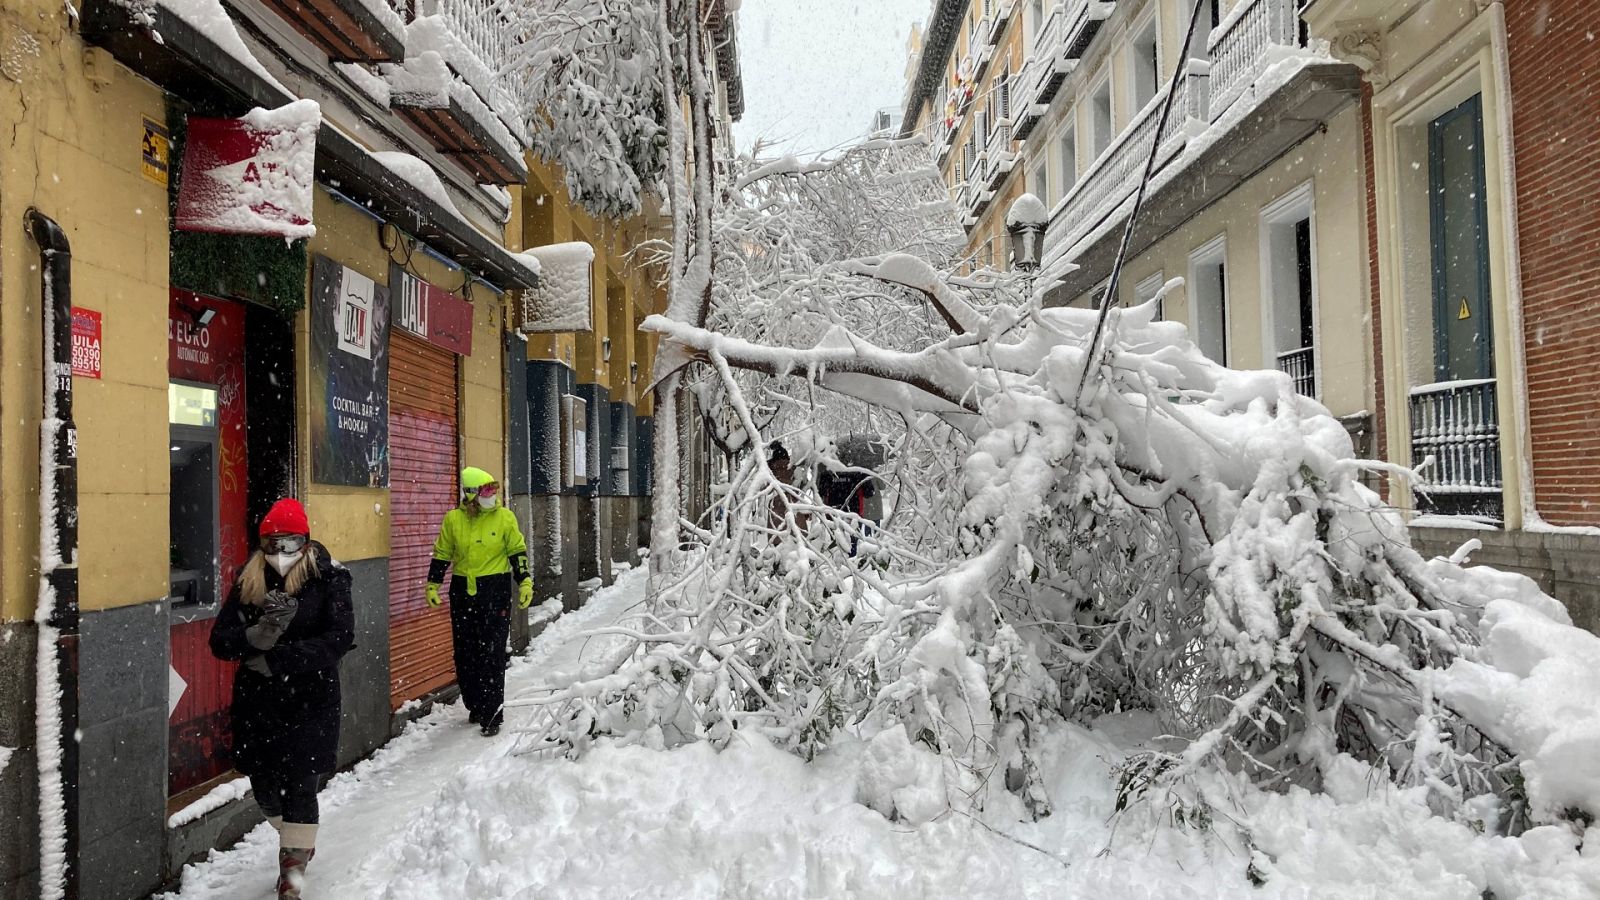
(253, 577)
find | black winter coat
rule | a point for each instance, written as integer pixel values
(288, 723)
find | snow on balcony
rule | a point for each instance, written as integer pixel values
(451, 87)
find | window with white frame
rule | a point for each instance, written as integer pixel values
(1039, 181)
(1100, 118)
(1288, 287)
(1145, 63)
(1067, 157)
(1149, 289)
(1208, 299)
(1035, 17)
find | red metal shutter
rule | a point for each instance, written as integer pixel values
(422, 486)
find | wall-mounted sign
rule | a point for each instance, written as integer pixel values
(86, 335)
(349, 377)
(430, 312)
(574, 440)
(251, 175)
(564, 299)
(154, 150)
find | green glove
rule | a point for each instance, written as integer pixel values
(525, 594)
(432, 594)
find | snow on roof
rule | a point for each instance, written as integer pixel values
(210, 19)
(375, 87)
(419, 175)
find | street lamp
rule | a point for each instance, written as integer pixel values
(1026, 221)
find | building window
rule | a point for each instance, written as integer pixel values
(1149, 289)
(1210, 18)
(1145, 58)
(1002, 93)
(1208, 299)
(1039, 181)
(1289, 288)
(1035, 17)
(1100, 121)
(1067, 154)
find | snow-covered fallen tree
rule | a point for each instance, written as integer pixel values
(1063, 536)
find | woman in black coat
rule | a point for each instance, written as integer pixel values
(289, 620)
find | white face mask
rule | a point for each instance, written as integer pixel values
(488, 502)
(283, 562)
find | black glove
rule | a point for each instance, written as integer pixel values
(279, 608)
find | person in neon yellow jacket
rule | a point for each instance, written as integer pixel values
(482, 543)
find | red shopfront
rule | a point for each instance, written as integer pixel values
(209, 449)
(431, 329)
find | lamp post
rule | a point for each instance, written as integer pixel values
(1026, 221)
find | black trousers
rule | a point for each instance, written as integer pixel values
(292, 798)
(479, 626)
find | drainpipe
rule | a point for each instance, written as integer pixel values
(57, 610)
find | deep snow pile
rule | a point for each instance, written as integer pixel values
(753, 821)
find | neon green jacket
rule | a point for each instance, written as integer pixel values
(489, 543)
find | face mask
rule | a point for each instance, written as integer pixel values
(488, 502)
(283, 562)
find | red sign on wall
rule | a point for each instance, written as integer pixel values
(252, 175)
(85, 342)
(431, 313)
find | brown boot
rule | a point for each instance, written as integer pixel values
(292, 871)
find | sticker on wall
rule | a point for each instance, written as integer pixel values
(1465, 313)
(85, 342)
(155, 149)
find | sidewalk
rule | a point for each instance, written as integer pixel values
(366, 808)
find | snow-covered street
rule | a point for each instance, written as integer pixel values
(442, 812)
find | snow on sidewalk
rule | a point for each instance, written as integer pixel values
(366, 807)
(443, 813)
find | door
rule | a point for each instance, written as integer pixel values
(422, 482)
(208, 533)
(1463, 336)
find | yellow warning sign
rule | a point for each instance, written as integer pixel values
(1466, 311)
(155, 150)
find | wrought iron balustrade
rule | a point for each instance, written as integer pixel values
(1457, 424)
(1300, 366)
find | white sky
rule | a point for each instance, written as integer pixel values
(816, 70)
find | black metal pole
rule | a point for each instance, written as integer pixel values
(58, 551)
(1091, 359)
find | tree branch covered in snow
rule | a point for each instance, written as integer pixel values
(1181, 538)
(597, 91)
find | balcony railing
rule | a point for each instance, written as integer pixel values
(1300, 366)
(1457, 424)
(1001, 156)
(1240, 47)
(1050, 65)
(1112, 178)
(1081, 23)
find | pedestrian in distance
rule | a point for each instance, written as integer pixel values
(288, 619)
(482, 544)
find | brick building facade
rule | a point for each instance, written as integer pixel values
(1529, 162)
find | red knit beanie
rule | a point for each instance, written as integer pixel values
(286, 516)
